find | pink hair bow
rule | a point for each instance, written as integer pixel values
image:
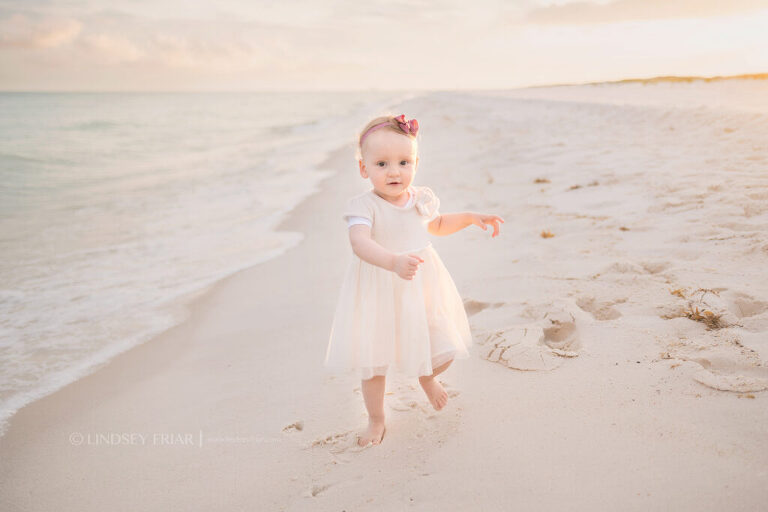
(410, 127)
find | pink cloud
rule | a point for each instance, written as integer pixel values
(19, 31)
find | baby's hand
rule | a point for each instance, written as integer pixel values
(480, 219)
(406, 265)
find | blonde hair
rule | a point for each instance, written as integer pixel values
(392, 126)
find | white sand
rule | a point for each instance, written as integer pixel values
(604, 396)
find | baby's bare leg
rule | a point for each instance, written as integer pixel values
(434, 390)
(440, 369)
(373, 394)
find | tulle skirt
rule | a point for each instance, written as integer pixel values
(383, 321)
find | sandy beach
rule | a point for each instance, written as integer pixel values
(620, 360)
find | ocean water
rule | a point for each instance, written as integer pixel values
(115, 206)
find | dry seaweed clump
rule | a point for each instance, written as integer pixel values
(706, 306)
(709, 318)
(547, 234)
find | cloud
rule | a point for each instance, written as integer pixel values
(184, 51)
(113, 48)
(582, 13)
(301, 44)
(20, 31)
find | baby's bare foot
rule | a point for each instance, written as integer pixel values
(435, 392)
(374, 434)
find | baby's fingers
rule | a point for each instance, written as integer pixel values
(495, 229)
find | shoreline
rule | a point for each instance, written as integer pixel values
(191, 304)
(142, 363)
(181, 307)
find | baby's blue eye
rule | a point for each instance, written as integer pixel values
(404, 162)
(380, 164)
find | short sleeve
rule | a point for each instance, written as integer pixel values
(352, 220)
(427, 203)
(358, 208)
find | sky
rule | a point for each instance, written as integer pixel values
(244, 45)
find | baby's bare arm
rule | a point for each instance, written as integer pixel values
(367, 249)
(449, 223)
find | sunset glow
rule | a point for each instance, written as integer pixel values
(168, 45)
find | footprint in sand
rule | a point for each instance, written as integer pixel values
(739, 382)
(330, 441)
(339, 443)
(541, 344)
(412, 398)
(405, 398)
(752, 313)
(473, 307)
(601, 310)
(655, 267)
(725, 363)
(520, 347)
(632, 267)
(746, 305)
(403, 404)
(316, 490)
(294, 427)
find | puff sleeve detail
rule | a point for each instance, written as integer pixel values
(427, 203)
(358, 207)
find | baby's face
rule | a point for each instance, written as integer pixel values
(389, 161)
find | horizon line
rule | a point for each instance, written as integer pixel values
(648, 80)
(664, 78)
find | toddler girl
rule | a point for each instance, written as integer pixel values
(398, 305)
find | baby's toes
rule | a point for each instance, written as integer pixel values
(438, 402)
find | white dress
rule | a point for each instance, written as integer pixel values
(382, 320)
